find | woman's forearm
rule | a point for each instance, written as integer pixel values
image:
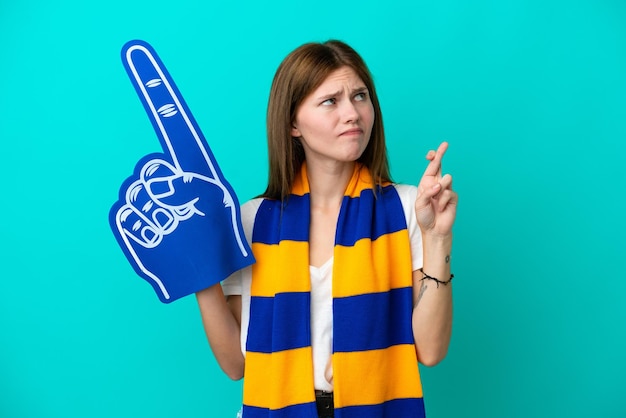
(432, 301)
(221, 320)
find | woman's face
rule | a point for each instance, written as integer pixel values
(334, 122)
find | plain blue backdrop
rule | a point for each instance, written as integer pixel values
(531, 96)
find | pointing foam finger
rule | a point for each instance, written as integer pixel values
(172, 120)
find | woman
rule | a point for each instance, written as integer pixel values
(351, 287)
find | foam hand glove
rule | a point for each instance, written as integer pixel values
(177, 218)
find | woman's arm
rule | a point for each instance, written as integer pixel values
(435, 210)
(432, 302)
(222, 324)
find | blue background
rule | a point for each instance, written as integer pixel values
(530, 94)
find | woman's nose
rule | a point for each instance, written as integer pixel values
(350, 113)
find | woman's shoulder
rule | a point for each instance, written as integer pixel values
(248, 214)
(252, 205)
(407, 192)
(405, 188)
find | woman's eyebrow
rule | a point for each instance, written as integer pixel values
(330, 95)
(339, 92)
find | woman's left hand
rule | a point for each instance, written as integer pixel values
(435, 206)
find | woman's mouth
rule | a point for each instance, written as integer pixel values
(351, 132)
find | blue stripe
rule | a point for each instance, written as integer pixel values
(274, 222)
(397, 408)
(306, 410)
(369, 217)
(279, 323)
(373, 321)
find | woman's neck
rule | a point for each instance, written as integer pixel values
(328, 182)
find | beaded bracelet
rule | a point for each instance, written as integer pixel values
(436, 280)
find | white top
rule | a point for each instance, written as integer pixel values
(321, 288)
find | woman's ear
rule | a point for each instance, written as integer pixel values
(295, 132)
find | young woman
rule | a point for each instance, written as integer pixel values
(351, 287)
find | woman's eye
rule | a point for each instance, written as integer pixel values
(360, 97)
(328, 102)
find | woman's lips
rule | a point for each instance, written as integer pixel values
(355, 131)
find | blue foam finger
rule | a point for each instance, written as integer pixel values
(180, 136)
(177, 219)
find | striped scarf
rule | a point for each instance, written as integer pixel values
(375, 372)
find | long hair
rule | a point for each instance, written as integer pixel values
(300, 73)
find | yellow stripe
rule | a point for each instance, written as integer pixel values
(358, 276)
(379, 375)
(300, 185)
(280, 379)
(278, 266)
(362, 181)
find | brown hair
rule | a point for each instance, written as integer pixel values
(300, 73)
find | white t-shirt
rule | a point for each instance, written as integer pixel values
(321, 288)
